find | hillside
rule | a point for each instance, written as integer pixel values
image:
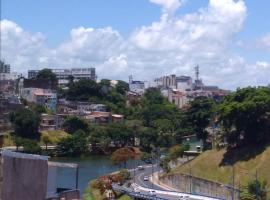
(217, 165)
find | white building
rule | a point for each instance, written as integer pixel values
(183, 83)
(179, 98)
(10, 76)
(64, 75)
(137, 86)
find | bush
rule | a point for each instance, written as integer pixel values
(31, 146)
(75, 145)
(164, 164)
(146, 157)
(125, 174)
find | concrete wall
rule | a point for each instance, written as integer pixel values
(195, 185)
(1, 176)
(25, 177)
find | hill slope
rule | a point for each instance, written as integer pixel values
(217, 165)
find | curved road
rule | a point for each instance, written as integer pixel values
(143, 187)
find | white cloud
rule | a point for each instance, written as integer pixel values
(264, 42)
(168, 6)
(19, 47)
(174, 44)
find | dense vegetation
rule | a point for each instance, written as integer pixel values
(240, 118)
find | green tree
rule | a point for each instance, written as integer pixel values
(38, 108)
(200, 114)
(245, 116)
(120, 134)
(254, 190)
(178, 151)
(46, 74)
(164, 164)
(74, 145)
(125, 174)
(83, 90)
(25, 123)
(146, 157)
(31, 146)
(46, 139)
(72, 124)
(122, 87)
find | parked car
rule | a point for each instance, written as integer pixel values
(140, 167)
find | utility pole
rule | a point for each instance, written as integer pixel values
(190, 179)
(233, 183)
(134, 171)
(257, 184)
(152, 158)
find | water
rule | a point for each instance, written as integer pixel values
(89, 169)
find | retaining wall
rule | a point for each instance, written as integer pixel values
(190, 184)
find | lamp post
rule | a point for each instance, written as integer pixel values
(152, 160)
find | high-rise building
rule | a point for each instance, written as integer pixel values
(4, 68)
(175, 82)
(32, 73)
(65, 75)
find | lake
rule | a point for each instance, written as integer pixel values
(89, 169)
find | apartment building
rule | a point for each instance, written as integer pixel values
(41, 96)
(179, 98)
(65, 75)
(4, 68)
(175, 82)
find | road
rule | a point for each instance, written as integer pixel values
(142, 188)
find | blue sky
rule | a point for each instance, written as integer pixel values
(133, 20)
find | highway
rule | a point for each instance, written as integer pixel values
(145, 189)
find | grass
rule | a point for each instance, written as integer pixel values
(124, 197)
(8, 141)
(91, 193)
(55, 135)
(217, 165)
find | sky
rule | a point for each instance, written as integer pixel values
(228, 39)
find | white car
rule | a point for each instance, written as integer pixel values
(136, 190)
(140, 167)
(152, 192)
(146, 178)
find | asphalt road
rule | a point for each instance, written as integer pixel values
(142, 187)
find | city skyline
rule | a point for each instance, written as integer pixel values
(166, 37)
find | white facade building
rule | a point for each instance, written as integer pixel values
(10, 76)
(64, 75)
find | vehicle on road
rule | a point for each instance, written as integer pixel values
(140, 167)
(183, 198)
(152, 192)
(146, 178)
(136, 190)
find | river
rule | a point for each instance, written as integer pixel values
(89, 169)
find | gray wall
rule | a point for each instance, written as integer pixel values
(25, 177)
(195, 185)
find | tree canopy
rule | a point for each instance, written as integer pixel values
(245, 116)
(72, 124)
(25, 123)
(199, 115)
(46, 74)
